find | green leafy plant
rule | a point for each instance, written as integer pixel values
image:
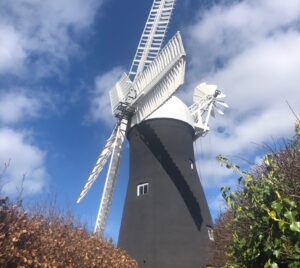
(266, 211)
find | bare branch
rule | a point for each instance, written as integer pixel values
(6, 165)
(20, 191)
(292, 110)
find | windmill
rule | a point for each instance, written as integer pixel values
(155, 75)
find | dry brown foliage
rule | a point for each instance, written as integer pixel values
(39, 241)
(222, 235)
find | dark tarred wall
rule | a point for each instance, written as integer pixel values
(167, 227)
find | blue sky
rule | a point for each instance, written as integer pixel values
(58, 59)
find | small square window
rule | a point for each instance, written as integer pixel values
(210, 233)
(142, 189)
(191, 163)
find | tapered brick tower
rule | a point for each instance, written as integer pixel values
(166, 221)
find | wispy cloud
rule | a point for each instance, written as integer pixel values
(18, 145)
(12, 54)
(37, 39)
(41, 34)
(250, 49)
(26, 159)
(227, 30)
(16, 106)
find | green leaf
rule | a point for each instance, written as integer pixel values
(221, 158)
(281, 225)
(229, 166)
(295, 226)
(297, 129)
(278, 195)
(276, 253)
(268, 160)
(248, 179)
(277, 206)
(289, 215)
(289, 202)
(267, 264)
(270, 264)
(274, 265)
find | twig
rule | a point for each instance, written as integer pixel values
(292, 110)
(6, 165)
(20, 191)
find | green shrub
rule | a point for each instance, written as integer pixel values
(265, 224)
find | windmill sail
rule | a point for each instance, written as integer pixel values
(102, 158)
(161, 79)
(153, 35)
(119, 92)
(160, 93)
(111, 177)
(162, 64)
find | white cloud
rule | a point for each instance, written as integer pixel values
(37, 38)
(25, 159)
(11, 51)
(239, 137)
(16, 106)
(100, 102)
(264, 75)
(250, 49)
(41, 33)
(18, 146)
(227, 30)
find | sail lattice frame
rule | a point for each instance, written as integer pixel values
(153, 35)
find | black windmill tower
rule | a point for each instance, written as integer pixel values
(166, 220)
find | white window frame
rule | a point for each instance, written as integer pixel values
(210, 233)
(192, 164)
(142, 186)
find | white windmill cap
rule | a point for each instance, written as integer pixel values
(173, 108)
